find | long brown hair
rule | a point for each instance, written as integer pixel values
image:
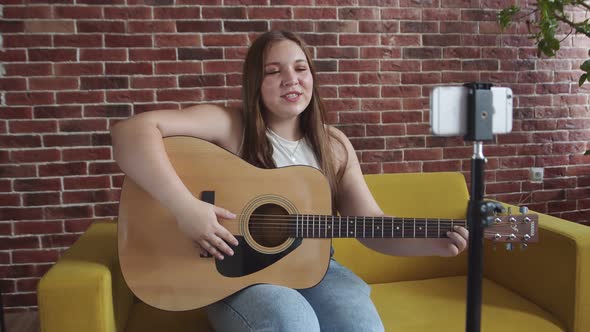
(257, 148)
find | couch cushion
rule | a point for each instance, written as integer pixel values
(439, 305)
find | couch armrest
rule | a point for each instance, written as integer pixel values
(553, 273)
(85, 290)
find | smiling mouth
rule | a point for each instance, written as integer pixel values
(291, 95)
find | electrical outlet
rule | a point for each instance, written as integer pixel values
(537, 174)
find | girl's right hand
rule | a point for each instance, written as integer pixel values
(200, 223)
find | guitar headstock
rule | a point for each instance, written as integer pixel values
(513, 228)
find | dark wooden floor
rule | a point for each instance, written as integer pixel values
(25, 321)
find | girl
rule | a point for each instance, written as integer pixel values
(282, 122)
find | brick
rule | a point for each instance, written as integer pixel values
(440, 14)
(20, 214)
(441, 166)
(106, 209)
(378, 27)
(337, 78)
(103, 54)
(148, 54)
(21, 242)
(380, 53)
(40, 199)
(368, 143)
(418, 27)
(100, 26)
(34, 256)
(82, 125)
(187, 12)
(178, 68)
(361, 91)
(37, 227)
(394, 143)
(53, 55)
(402, 167)
(77, 69)
(381, 156)
(77, 12)
(444, 40)
(20, 141)
(358, 65)
(26, 41)
(128, 13)
(382, 104)
(13, 55)
(357, 40)
(87, 182)
(79, 41)
(400, 66)
(128, 41)
(10, 200)
(59, 240)
(30, 11)
(107, 111)
(151, 27)
(82, 211)
(317, 13)
(222, 12)
(386, 130)
(200, 81)
(221, 93)
(180, 40)
(402, 91)
(99, 153)
(28, 69)
(355, 130)
(154, 82)
(66, 140)
(35, 156)
(360, 117)
(138, 68)
(130, 96)
(99, 83)
(53, 84)
(17, 171)
(7, 112)
(73, 197)
(80, 97)
(29, 98)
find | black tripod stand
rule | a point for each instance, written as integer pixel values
(479, 128)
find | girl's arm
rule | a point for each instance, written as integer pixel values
(355, 199)
(139, 151)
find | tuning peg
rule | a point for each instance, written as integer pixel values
(508, 246)
(524, 209)
(523, 246)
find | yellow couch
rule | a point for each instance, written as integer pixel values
(543, 288)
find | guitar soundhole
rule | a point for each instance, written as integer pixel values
(269, 224)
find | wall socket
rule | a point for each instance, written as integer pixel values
(536, 174)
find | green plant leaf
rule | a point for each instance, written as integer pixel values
(583, 79)
(586, 66)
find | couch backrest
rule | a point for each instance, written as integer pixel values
(419, 195)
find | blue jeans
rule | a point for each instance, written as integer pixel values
(340, 302)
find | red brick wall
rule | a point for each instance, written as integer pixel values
(69, 71)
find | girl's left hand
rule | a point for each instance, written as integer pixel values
(457, 241)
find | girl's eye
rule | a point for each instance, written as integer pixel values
(302, 69)
(270, 72)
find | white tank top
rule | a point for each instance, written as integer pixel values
(289, 153)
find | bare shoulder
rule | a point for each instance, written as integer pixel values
(341, 146)
(214, 123)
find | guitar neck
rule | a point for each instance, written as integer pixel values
(319, 226)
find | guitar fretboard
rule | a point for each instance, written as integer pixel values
(323, 226)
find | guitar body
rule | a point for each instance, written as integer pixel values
(163, 267)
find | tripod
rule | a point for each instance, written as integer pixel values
(479, 128)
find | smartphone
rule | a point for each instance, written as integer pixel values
(448, 110)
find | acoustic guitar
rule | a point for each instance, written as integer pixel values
(283, 225)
